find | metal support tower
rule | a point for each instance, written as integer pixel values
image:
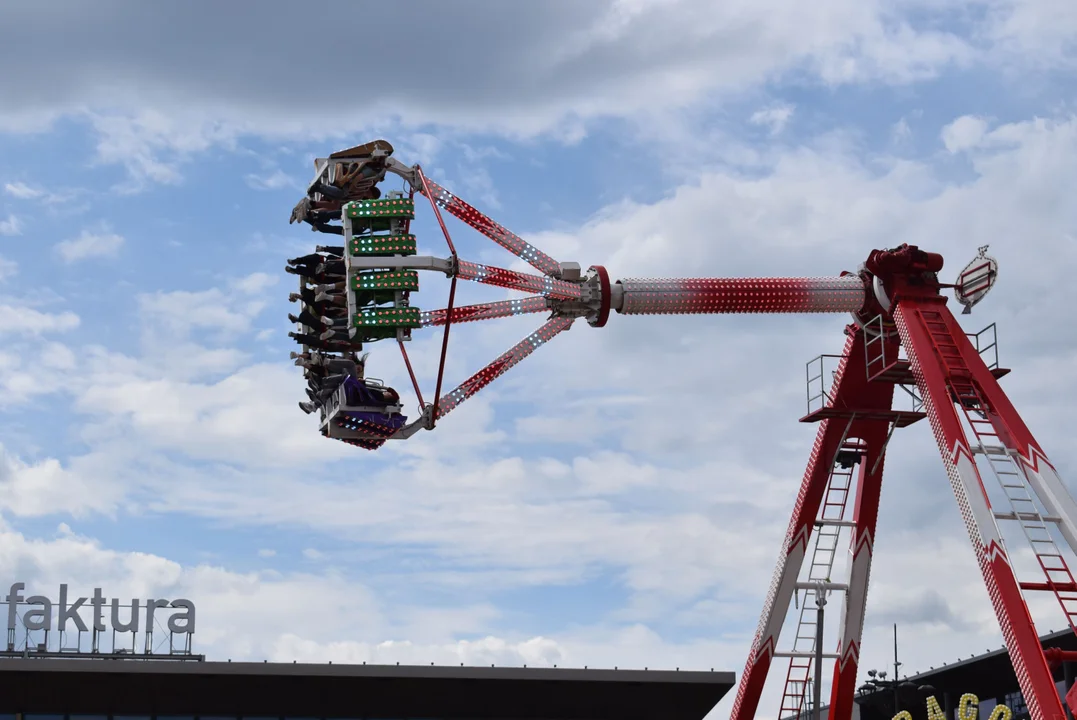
(953, 382)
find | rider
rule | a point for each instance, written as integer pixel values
(358, 171)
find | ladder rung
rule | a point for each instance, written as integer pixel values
(827, 656)
(1027, 516)
(826, 586)
(1050, 587)
(992, 450)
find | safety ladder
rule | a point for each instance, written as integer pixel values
(1008, 472)
(798, 678)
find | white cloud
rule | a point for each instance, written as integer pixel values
(964, 133)
(46, 488)
(21, 319)
(773, 118)
(90, 245)
(533, 652)
(1042, 32)
(267, 553)
(8, 268)
(11, 226)
(31, 368)
(152, 145)
(181, 311)
(612, 60)
(900, 132)
(276, 180)
(255, 283)
(22, 191)
(312, 554)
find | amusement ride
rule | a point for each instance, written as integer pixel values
(901, 334)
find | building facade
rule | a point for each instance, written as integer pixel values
(990, 677)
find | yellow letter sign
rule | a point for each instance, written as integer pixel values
(968, 708)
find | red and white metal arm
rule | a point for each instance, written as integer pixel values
(543, 285)
(486, 311)
(503, 364)
(689, 296)
(503, 237)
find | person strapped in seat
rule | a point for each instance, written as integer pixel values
(356, 174)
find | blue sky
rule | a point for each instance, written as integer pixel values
(620, 497)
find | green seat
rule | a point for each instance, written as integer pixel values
(378, 215)
(390, 317)
(385, 280)
(366, 245)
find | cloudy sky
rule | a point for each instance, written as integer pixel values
(619, 498)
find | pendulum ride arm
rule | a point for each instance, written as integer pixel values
(594, 298)
(567, 294)
(690, 296)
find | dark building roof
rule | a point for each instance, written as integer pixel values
(987, 676)
(147, 687)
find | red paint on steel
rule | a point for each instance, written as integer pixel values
(689, 296)
(414, 382)
(437, 214)
(444, 350)
(604, 295)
